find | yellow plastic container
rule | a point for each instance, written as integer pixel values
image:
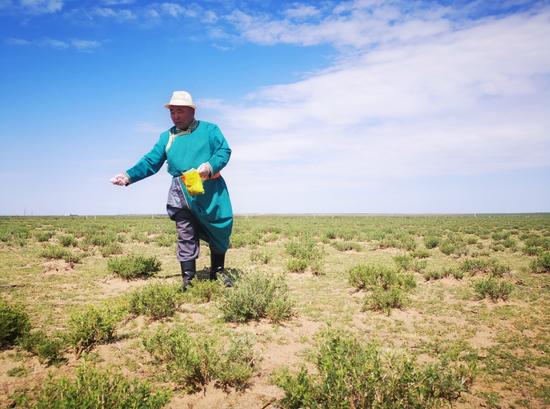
(193, 182)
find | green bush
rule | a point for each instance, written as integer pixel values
(260, 257)
(57, 252)
(187, 360)
(203, 291)
(95, 388)
(420, 253)
(236, 363)
(433, 275)
(346, 246)
(156, 300)
(457, 273)
(494, 288)
(478, 265)
(192, 362)
(431, 242)
(133, 266)
(541, 264)
(166, 240)
(257, 295)
(14, 323)
(304, 249)
(447, 247)
(351, 374)
(68, 241)
(43, 235)
(297, 265)
(111, 248)
(100, 239)
(90, 326)
(304, 253)
(49, 350)
(371, 276)
(403, 261)
(385, 300)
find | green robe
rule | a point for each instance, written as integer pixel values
(205, 143)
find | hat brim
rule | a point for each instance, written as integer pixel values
(184, 105)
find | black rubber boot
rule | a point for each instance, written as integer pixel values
(217, 265)
(188, 270)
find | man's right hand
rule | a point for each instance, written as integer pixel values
(120, 180)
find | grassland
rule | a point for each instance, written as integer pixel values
(465, 292)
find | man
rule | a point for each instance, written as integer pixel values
(192, 144)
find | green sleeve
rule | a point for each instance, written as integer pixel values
(221, 153)
(150, 163)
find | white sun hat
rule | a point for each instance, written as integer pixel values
(182, 99)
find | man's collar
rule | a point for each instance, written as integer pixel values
(192, 126)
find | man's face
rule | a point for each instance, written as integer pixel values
(182, 116)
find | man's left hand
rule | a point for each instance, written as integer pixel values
(205, 170)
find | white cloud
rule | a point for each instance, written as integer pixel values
(468, 101)
(172, 9)
(53, 43)
(117, 2)
(85, 45)
(210, 16)
(117, 14)
(361, 29)
(300, 11)
(17, 41)
(75, 43)
(42, 6)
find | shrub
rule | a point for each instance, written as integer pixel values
(297, 265)
(133, 266)
(433, 275)
(491, 266)
(455, 272)
(90, 326)
(14, 323)
(99, 239)
(257, 295)
(403, 261)
(494, 288)
(532, 251)
(68, 241)
(541, 264)
(49, 350)
(192, 362)
(471, 240)
(420, 253)
(57, 252)
(204, 291)
(370, 277)
(187, 360)
(304, 249)
(237, 363)
(357, 375)
(510, 244)
(503, 235)
(111, 248)
(346, 246)
(447, 247)
(95, 388)
(260, 257)
(165, 240)
(384, 300)
(156, 300)
(431, 242)
(43, 235)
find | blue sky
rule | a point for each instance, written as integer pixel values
(329, 106)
